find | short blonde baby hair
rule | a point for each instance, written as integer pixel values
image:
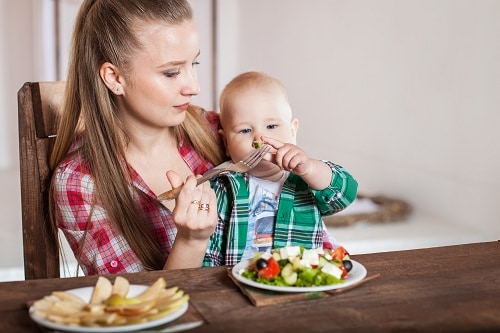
(248, 80)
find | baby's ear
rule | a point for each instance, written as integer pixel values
(295, 127)
(224, 140)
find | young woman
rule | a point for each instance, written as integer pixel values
(129, 133)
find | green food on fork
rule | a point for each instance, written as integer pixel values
(249, 162)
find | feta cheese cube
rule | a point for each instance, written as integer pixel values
(289, 251)
(332, 270)
(310, 258)
(266, 255)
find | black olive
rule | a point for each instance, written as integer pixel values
(261, 263)
(347, 265)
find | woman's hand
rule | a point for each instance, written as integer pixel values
(195, 216)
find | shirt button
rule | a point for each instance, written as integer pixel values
(114, 264)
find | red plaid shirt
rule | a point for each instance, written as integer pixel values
(105, 250)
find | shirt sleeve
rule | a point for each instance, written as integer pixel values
(339, 194)
(87, 227)
(216, 250)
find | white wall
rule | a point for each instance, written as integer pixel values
(16, 67)
(405, 94)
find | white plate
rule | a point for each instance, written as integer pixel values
(86, 292)
(357, 273)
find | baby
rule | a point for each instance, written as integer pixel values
(280, 202)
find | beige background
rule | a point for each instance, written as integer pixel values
(405, 94)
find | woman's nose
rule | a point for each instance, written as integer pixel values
(191, 85)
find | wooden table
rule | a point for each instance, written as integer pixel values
(443, 289)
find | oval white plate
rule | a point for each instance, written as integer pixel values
(86, 292)
(357, 273)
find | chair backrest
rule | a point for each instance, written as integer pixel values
(39, 104)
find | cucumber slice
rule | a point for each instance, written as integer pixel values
(292, 279)
(322, 261)
(296, 263)
(256, 256)
(289, 275)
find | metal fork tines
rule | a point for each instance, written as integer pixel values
(249, 162)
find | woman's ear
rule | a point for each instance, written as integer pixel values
(224, 139)
(111, 77)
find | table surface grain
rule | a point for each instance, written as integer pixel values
(441, 289)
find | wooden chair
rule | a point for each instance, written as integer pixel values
(39, 104)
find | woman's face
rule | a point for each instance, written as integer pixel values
(162, 79)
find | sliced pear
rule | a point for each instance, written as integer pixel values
(68, 297)
(102, 290)
(118, 300)
(132, 309)
(153, 291)
(121, 286)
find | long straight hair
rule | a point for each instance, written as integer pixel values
(103, 32)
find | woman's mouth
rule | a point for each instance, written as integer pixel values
(182, 107)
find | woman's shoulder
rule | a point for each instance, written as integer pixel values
(211, 116)
(73, 166)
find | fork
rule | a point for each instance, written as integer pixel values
(249, 162)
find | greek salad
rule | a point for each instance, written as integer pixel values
(299, 267)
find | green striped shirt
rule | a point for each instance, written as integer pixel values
(298, 218)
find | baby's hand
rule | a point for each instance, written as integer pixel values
(290, 157)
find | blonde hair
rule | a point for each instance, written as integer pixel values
(104, 32)
(248, 80)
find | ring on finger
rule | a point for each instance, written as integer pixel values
(204, 206)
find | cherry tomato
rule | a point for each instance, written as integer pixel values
(339, 253)
(344, 271)
(271, 270)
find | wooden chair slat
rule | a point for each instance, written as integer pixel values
(39, 105)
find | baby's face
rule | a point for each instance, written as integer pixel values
(255, 113)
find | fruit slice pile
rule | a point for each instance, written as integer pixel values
(110, 305)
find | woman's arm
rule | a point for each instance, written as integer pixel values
(94, 240)
(194, 225)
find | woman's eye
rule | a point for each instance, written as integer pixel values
(245, 131)
(195, 63)
(172, 73)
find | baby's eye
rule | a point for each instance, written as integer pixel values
(245, 131)
(271, 126)
(195, 63)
